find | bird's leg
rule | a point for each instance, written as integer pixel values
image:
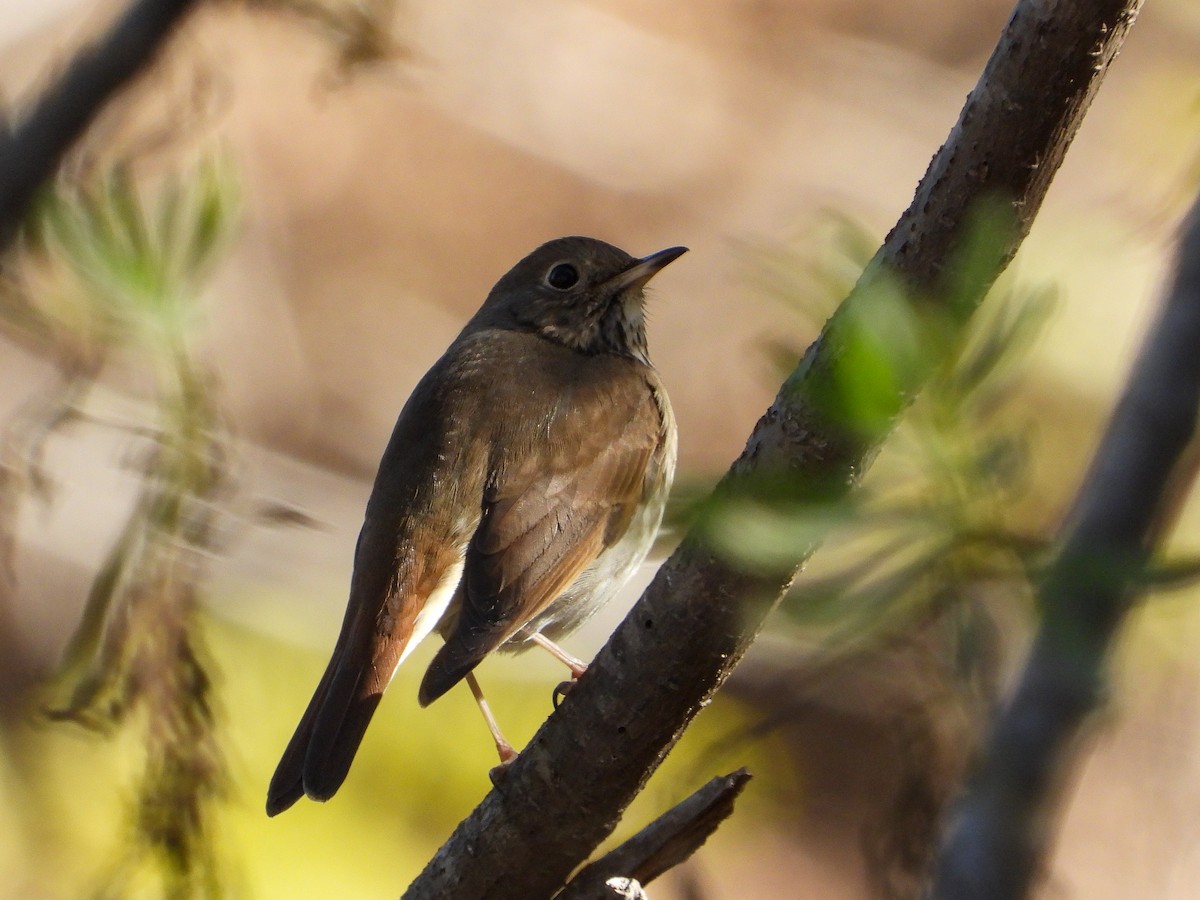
(577, 666)
(503, 747)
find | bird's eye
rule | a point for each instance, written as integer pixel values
(562, 277)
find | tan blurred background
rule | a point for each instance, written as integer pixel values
(378, 208)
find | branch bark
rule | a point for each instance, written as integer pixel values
(664, 843)
(999, 833)
(32, 151)
(569, 787)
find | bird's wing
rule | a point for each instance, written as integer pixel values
(410, 550)
(547, 515)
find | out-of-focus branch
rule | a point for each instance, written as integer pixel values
(568, 788)
(32, 148)
(664, 843)
(999, 833)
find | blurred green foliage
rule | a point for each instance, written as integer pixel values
(112, 262)
(137, 257)
(941, 506)
(103, 267)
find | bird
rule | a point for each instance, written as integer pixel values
(523, 484)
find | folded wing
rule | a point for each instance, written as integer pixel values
(547, 515)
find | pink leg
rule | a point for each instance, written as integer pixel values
(577, 666)
(503, 747)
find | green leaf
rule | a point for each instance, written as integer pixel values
(883, 350)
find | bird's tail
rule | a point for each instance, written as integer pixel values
(319, 755)
(287, 784)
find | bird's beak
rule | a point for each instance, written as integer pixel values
(645, 269)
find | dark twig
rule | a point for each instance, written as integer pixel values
(664, 843)
(32, 150)
(567, 790)
(999, 833)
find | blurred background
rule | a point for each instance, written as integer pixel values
(336, 187)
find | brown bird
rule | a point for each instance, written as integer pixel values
(523, 484)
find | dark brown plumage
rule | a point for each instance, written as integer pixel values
(522, 485)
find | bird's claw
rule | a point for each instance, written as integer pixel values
(561, 690)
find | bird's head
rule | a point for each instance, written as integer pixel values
(579, 292)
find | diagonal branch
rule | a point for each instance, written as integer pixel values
(568, 789)
(33, 149)
(998, 836)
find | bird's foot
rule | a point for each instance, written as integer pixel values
(506, 751)
(561, 690)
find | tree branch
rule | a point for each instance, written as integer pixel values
(32, 151)
(567, 790)
(999, 834)
(664, 843)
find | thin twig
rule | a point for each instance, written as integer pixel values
(664, 843)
